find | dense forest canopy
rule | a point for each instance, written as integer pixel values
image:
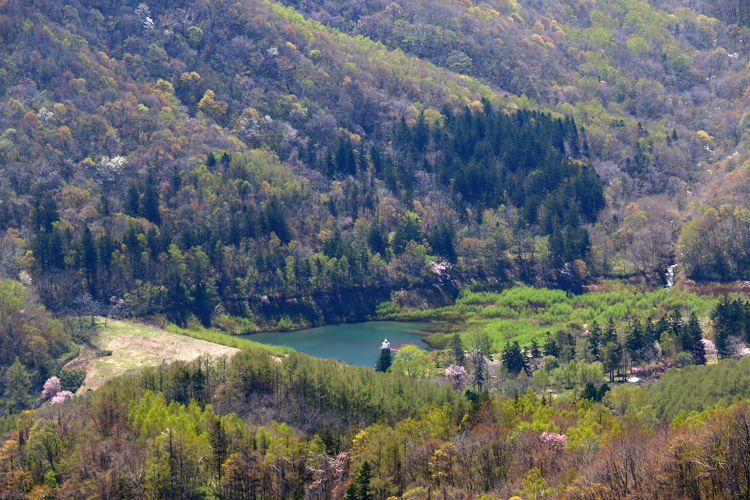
(273, 164)
(184, 156)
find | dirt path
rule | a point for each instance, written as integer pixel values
(135, 346)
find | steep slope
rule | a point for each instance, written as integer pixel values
(660, 86)
(184, 156)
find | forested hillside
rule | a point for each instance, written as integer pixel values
(262, 164)
(356, 434)
(193, 158)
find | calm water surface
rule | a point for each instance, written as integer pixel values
(355, 343)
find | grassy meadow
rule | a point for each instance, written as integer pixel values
(523, 313)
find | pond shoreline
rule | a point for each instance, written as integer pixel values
(354, 343)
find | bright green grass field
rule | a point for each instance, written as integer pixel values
(524, 313)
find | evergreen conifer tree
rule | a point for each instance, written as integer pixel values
(363, 482)
(384, 361)
(17, 385)
(694, 332)
(479, 370)
(550, 347)
(595, 338)
(513, 359)
(535, 352)
(457, 349)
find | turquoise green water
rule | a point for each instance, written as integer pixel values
(355, 343)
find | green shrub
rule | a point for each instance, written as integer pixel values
(437, 340)
(71, 379)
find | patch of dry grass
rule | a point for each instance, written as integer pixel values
(136, 346)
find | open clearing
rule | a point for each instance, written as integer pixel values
(136, 346)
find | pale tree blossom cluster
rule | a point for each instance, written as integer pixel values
(709, 347)
(25, 278)
(117, 303)
(252, 127)
(652, 369)
(329, 474)
(45, 115)
(743, 352)
(109, 169)
(456, 374)
(51, 387)
(339, 464)
(552, 442)
(441, 271)
(144, 13)
(278, 132)
(51, 391)
(60, 397)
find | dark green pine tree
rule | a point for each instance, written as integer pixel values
(595, 339)
(149, 202)
(550, 346)
(377, 239)
(384, 361)
(219, 443)
(610, 334)
(513, 359)
(611, 358)
(275, 220)
(649, 333)
(363, 481)
(661, 326)
(589, 392)
(457, 350)
(351, 492)
(88, 253)
(421, 132)
(204, 299)
(480, 368)
(675, 323)
(535, 351)
(132, 201)
(694, 332)
(601, 392)
(634, 339)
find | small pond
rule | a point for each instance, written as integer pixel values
(355, 343)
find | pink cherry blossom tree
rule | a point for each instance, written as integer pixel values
(51, 387)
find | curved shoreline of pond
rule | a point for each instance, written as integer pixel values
(354, 343)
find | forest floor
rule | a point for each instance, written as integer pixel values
(136, 346)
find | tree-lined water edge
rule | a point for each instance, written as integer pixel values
(354, 343)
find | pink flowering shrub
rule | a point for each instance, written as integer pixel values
(441, 272)
(51, 387)
(552, 442)
(456, 374)
(709, 347)
(61, 397)
(339, 464)
(743, 352)
(651, 370)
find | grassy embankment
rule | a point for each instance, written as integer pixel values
(132, 346)
(524, 313)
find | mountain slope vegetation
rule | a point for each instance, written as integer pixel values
(182, 167)
(246, 165)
